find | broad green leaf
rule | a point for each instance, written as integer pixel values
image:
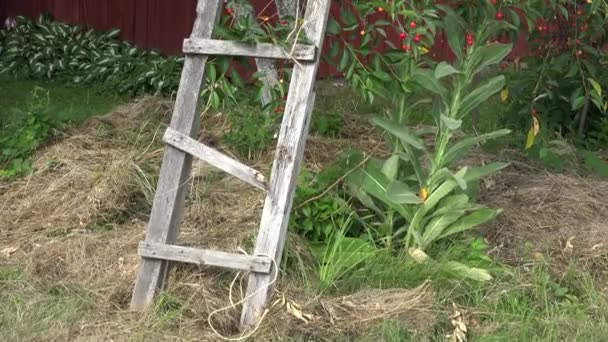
(438, 177)
(483, 171)
(373, 182)
(391, 167)
(470, 221)
(578, 102)
(333, 28)
(443, 190)
(382, 76)
(454, 28)
(458, 202)
(400, 131)
(490, 54)
(444, 69)
(481, 94)
(436, 226)
(494, 27)
(426, 79)
(400, 193)
(414, 159)
(450, 123)
(596, 86)
(465, 271)
(460, 148)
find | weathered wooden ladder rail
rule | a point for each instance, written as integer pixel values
(159, 248)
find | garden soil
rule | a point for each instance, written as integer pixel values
(78, 219)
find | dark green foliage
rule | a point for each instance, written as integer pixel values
(317, 217)
(19, 139)
(251, 132)
(326, 124)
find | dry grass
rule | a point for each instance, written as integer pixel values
(77, 220)
(563, 214)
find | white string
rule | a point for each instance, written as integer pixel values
(233, 305)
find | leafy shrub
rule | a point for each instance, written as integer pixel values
(19, 139)
(44, 49)
(318, 215)
(251, 132)
(326, 124)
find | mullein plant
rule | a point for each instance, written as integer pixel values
(420, 192)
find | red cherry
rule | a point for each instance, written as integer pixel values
(283, 22)
(493, 2)
(405, 47)
(503, 66)
(499, 15)
(402, 35)
(230, 11)
(362, 32)
(413, 24)
(578, 42)
(380, 9)
(417, 38)
(580, 12)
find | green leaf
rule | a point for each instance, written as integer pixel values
(453, 203)
(426, 79)
(460, 148)
(400, 193)
(374, 182)
(578, 102)
(465, 271)
(382, 76)
(444, 69)
(450, 123)
(490, 54)
(333, 28)
(435, 227)
(470, 221)
(391, 167)
(481, 94)
(454, 28)
(483, 171)
(596, 86)
(400, 131)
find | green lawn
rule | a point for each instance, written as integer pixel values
(68, 104)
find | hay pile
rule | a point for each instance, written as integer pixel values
(563, 214)
(78, 218)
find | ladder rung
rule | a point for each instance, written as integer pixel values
(205, 257)
(259, 50)
(215, 158)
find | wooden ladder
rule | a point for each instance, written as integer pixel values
(159, 247)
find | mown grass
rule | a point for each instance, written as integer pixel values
(68, 103)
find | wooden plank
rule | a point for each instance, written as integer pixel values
(215, 158)
(174, 175)
(290, 149)
(259, 50)
(205, 257)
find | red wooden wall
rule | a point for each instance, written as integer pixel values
(161, 24)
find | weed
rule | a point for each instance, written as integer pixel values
(251, 132)
(327, 124)
(24, 137)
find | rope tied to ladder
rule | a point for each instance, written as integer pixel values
(233, 305)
